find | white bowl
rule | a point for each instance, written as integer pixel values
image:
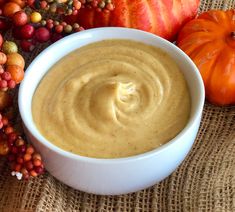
(111, 176)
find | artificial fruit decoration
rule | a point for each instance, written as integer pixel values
(210, 42)
(161, 17)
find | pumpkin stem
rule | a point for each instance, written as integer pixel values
(233, 35)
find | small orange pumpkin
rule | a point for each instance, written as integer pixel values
(210, 42)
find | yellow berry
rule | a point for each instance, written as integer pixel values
(35, 17)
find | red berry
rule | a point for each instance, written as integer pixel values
(30, 2)
(59, 11)
(26, 177)
(94, 4)
(49, 25)
(11, 84)
(63, 23)
(42, 34)
(50, 21)
(16, 32)
(6, 76)
(20, 18)
(17, 167)
(14, 149)
(11, 157)
(27, 31)
(43, 4)
(1, 69)
(22, 149)
(39, 169)
(59, 28)
(55, 37)
(20, 160)
(106, 11)
(110, 6)
(3, 25)
(12, 137)
(3, 83)
(27, 45)
(99, 10)
(10, 143)
(29, 165)
(75, 12)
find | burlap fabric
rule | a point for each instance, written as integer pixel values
(204, 182)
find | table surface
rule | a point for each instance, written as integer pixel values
(204, 182)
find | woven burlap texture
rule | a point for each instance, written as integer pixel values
(204, 182)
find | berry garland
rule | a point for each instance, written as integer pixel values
(25, 20)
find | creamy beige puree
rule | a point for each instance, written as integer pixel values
(111, 99)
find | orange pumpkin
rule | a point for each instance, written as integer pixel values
(161, 17)
(210, 42)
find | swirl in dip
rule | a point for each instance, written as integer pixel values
(112, 99)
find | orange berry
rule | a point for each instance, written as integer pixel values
(8, 130)
(30, 150)
(33, 173)
(37, 162)
(77, 5)
(27, 157)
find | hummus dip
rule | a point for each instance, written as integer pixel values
(112, 99)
